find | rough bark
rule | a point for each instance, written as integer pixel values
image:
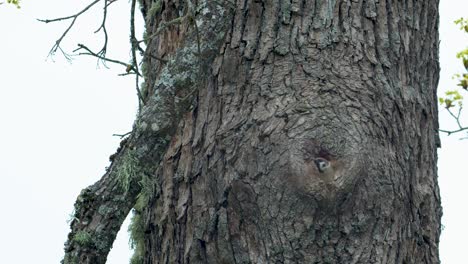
(281, 84)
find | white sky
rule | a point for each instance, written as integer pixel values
(57, 121)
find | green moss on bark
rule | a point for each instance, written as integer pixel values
(83, 239)
(137, 235)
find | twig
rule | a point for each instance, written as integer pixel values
(103, 51)
(457, 119)
(143, 53)
(122, 135)
(156, 58)
(453, 131)
(91, 53)
(73, 17)
(110, 2)
(131, 68)
(126, 73)
(134, 43)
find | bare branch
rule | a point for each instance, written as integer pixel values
(70, 17)
(457, 119)
(103, 51)
(122, 135)
(67, 56)
(91, 53)
(126, 73)
(109, 2)
(156, 58)
(449, 132)
(134, 43)
(143, 53)
(56, 46)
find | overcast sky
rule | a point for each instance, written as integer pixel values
(57, 121)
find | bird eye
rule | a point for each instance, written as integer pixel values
(322, 164)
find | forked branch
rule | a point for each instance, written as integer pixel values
(129, 68)
(73, 18)
(457, 120)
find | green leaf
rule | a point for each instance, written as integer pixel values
(14, 2)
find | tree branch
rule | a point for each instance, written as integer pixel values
(156, 58)
(74, 17)
(449, 132)
(122, 135)
(100, 210)
(103, 51)
(135, 46)
(91, 53)
(457, 119)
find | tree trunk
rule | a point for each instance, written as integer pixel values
(243, 100)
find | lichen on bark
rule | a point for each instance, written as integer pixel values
(170, 90)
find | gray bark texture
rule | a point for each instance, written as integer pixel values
(247, 96)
